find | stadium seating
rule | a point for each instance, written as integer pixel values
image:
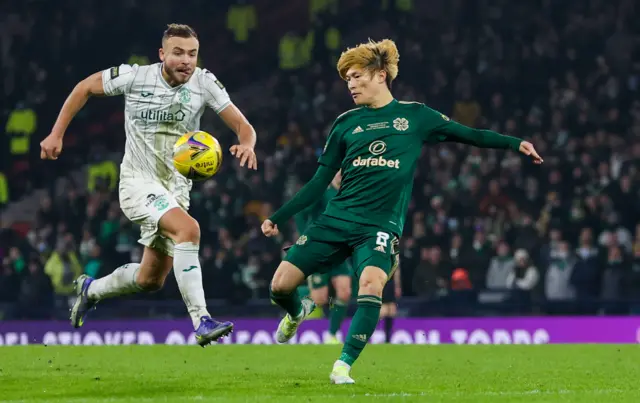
(568, 83)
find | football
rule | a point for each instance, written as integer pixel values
(197, 155)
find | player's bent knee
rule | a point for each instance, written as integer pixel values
(320, 297)
(180, 226)
(281, 285)
(372, 281)
(343, 294)
(189, 232)
(342, 285)
(369, 287)
(286, 278)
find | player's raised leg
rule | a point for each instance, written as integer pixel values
(284, 292)
(363, 324)
(342, 286)
(149, 275)
(184, 230)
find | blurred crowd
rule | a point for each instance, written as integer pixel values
(564, 75)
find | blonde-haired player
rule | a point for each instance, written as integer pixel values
(377, 147)
(162, 102)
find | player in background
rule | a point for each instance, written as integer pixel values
(339, 276)
(389, 308)
(377, 147)
(162, 101)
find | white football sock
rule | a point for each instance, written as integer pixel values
(121, 282)
(186, 268)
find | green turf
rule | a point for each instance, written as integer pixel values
(445, 373)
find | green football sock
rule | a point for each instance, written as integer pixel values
(289, 302)
(338, 312)
(363, 325)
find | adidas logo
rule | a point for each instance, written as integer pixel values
(360, 337)
(380, 248)
(357, 130)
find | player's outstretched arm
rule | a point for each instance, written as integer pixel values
(219, 100)
(236, 121)
(51, 146)
(458, 133)
(310, 193)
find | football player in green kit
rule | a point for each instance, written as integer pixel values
(339, 276)
(377, 147)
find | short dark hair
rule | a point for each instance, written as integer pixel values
(179, 30)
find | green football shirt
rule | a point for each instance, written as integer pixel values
(378, 149)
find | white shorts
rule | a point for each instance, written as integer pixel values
(144, 202)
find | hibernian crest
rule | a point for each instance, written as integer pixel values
(161, 203)
(401, 124)
(302, 240)
(184, 96)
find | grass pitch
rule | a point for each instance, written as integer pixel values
(300, 373)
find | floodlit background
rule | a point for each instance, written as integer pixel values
(488, 234)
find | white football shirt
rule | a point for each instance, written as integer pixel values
(156, 115)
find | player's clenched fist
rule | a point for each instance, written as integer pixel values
(51, 147)
(269, 228)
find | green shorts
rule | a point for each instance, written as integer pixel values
(329, 241)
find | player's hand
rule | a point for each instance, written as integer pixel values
(246, 155)
(51, 147)
(269, 228)
(398, 291)
(527, 148)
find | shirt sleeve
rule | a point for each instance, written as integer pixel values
(440, 128)
(118, 80)
(333, 152)
(310, 193)
(217, 97)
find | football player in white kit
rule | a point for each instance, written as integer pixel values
(162, 102)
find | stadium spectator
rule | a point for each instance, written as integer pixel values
(63, 266)
(586, 278)
(525, 275)
(35, 300)
(433, 275)
(615, 271)
(4, 190)
(479, 258)
(501, 267)
(558, 286)
(93, 263)
(9, 281)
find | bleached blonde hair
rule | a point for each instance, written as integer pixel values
(372, 57)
